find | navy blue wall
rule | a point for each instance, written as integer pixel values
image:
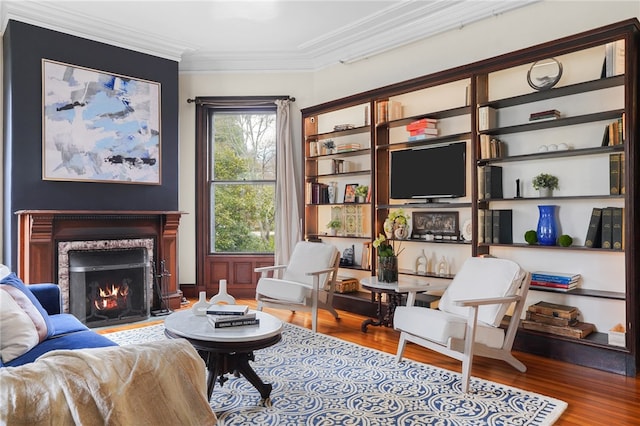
(24, 48)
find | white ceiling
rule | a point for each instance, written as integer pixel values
(264, 35)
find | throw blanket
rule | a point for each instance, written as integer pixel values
(158, 383)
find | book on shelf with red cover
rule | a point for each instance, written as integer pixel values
(423, 123)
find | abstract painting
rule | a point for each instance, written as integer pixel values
(99, 127)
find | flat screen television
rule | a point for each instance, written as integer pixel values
(437, 171)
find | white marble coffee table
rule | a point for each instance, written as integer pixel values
(227, 350)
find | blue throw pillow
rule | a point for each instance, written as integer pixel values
(13, 280)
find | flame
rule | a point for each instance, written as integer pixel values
(111, 297)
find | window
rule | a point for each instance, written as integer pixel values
(242, 179)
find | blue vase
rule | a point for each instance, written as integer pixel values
(547, 226)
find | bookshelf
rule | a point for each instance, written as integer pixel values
(587, 100)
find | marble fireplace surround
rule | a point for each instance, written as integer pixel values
(40, 231)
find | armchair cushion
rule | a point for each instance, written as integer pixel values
(285, 290)
(477, 281)
(439, 326)
(309, 257)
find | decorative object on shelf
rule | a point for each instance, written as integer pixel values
(422, 263)
(565, 240)
(544, 74)
(341, 127)
(467, 230)
(338, 166)
(350, 192)
(443, 267)
(547, 229)
(332, 191)
(518, 195)
(348, 256)
(328, 147)
(334, 225)
(443, 225)
(352, 220)
(200, 307)
(531, 237)
(545, 184)
(313, 149)
(387, 259)
(396, 225)
(361, 193)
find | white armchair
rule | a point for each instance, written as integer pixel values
(307, 283)
(470, 312)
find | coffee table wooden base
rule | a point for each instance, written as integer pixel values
(232, 357)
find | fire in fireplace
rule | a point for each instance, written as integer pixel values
(109, 286)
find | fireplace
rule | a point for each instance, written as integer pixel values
(105, 282)
(109, 286)
(46, 237)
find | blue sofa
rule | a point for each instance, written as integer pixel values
(65, 330)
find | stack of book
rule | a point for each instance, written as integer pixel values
(346, 147)
(222, 316)
(556, 319)
(556, 281)
(551, 114)
(606, 228)
(422, 129)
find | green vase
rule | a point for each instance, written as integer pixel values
(388, 269)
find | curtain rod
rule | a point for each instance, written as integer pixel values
(232, 100)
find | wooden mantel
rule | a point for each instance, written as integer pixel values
(39, 231)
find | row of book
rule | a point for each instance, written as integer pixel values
(317, 193)
(223, 316)
(556, 319)
(606, 228)
(556, 281)
(489, 182)
(495, 226)
(491, 147)
(388, 111)
(424, 128)
(614, 133)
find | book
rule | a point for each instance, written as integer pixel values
(605, 136)
(606, 228)
(502, 232)
(549, 319)
(220, 309)
(617, 228)
(487, 118)
(556, 277)
(424, 131)
(614, 173)
(481, 214)
(481, 182)
(594, 231)
(420, 137)
(544, 115)
(488, 226)
(227, 318)
(492, 182)
(554, 310)
(578, 330)
(551, 284)
(235, 323)
(622, 176)
(423, 123)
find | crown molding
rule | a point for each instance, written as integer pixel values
(398, 25)
(51, 17)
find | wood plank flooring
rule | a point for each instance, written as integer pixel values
(594, 397)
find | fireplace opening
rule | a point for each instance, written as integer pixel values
(109, 286)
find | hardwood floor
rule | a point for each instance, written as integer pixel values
(594, 397)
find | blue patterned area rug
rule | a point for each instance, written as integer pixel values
(321, 380)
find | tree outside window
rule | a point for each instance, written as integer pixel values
(242, 185)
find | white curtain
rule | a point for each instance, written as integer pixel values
(288, 231)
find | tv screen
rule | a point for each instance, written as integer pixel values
(429, 172)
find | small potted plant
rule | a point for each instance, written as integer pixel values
(333, 226)
(361, 193)
(545, 184)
